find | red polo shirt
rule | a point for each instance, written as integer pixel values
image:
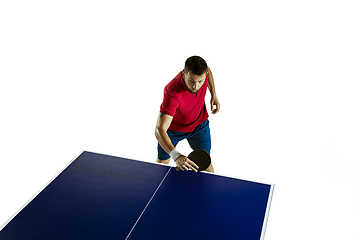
(187, 109)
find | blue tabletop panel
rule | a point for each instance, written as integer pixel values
(104, 197)
(192, 205)
(95, 197)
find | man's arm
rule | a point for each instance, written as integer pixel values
(214, 100)
(162, 125)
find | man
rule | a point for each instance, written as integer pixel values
(183, 114)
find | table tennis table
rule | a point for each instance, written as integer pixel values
(98, 196)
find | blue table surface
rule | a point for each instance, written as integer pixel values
(103, 197)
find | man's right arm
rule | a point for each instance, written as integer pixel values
(162, 125)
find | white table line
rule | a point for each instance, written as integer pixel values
(148, 203)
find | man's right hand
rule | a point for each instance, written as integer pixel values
(186, 164)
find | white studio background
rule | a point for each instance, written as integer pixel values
(89, 75)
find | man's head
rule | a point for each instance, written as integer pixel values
(194, 73)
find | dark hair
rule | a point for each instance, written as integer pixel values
(196, 65)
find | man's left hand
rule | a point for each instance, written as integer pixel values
(214, 102)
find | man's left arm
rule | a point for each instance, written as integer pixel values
(211, 86)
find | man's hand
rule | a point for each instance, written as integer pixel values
(214, 102)
(185, 164)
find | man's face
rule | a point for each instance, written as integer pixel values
(193, 82)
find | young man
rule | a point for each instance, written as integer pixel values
(183, 114)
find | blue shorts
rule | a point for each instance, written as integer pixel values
(198, 139)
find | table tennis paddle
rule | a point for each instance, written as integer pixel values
(201, 158)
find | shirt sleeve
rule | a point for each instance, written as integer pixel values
(169, 105)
